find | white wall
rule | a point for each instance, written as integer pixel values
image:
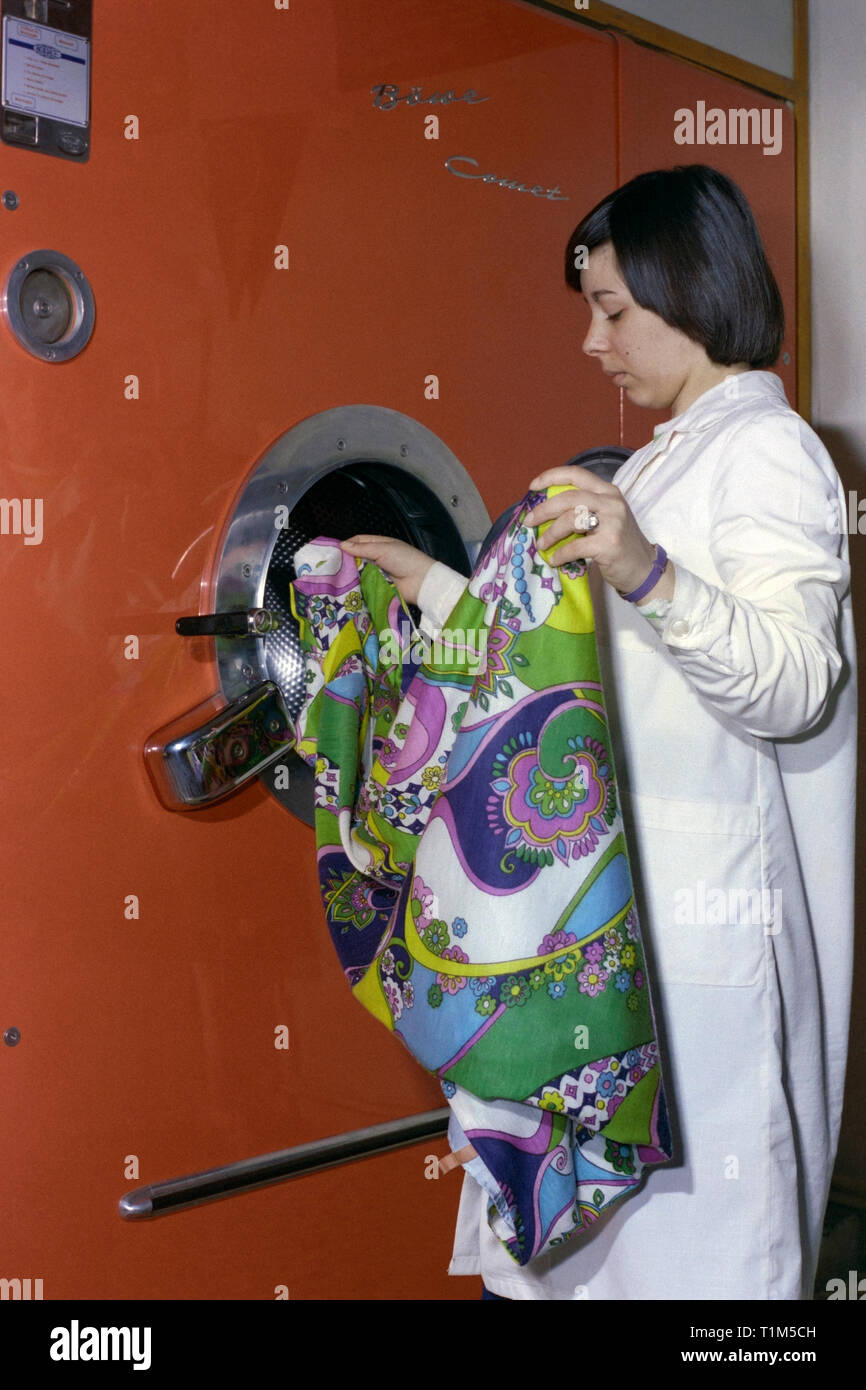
(761, 31)
(837, 47)
(837, 44)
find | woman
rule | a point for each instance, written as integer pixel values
(720, 578)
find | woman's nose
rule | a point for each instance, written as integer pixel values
(595, 340)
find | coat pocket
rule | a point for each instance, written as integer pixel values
(704, 907)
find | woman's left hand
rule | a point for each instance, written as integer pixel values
(617, 546)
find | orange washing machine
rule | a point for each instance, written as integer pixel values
(267, 271)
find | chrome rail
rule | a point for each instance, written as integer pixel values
(177, 1194)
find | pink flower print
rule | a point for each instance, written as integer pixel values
(592, 980)
(638, 979)
(424, 897)
(388, 752)
(392, 994)
(556, 942)
(594, 952)
(452, 983)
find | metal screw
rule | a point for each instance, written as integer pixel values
(284, 487)
(341, 443)
(42, 308)
(246, 672)
(12, 1037)
(23, 265)
(455, 500)
(237, 752)
(10, 200)
(274, 726)
(404, 451)
(246, 571)
(51, 354)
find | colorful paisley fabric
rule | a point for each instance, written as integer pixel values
(474, 873)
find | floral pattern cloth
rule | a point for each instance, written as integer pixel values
(474, 872)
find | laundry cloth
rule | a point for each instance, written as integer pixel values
(474, 871)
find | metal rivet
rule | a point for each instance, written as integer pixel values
(10, 200)
(238, 752)
(284, 487)
(51, 354)
(246, 571)
(22, 265)
(274, 726)
(455, 500)
(246, 672)
(341, 443)
(404, 451)
(12, 1037)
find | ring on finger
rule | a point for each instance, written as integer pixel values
(584, 519)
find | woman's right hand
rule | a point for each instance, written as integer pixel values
(405, 565)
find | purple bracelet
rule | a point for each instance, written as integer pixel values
(652, 578)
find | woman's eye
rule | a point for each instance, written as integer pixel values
(612, 318)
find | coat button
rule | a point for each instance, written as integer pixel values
(679, 627)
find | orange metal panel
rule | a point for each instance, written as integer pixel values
(652, 88)
(152, 1035)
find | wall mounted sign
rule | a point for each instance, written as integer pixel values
(555, 194)
(46, 77)
(386, 96)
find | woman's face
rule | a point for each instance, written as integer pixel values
(658, 366)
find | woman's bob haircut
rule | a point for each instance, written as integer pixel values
(688, 248)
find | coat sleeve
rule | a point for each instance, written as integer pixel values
(763, 647)
(440, 589)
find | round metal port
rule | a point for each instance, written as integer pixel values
(49, 305)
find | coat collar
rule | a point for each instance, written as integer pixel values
(716, 404)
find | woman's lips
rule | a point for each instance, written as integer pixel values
(617, 377)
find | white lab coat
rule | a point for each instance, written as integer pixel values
(733, 722)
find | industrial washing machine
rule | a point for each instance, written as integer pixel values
(266, 270)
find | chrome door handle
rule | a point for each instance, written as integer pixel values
(217, 748)
(245, 622)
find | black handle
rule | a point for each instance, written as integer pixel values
(245, 622)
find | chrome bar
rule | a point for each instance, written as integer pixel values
(176, 1194)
